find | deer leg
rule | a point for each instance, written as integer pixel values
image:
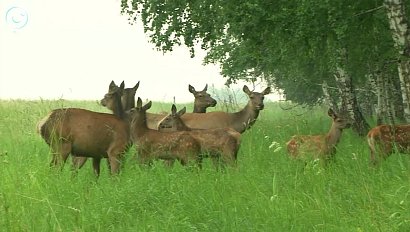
(60, 154)
(114, 163)
(78, 161)
(373, 156)
(96, 166)
(169, 163)
(114, 157)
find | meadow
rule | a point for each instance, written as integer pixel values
(267, 191)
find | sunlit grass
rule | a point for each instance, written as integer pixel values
(266, 192)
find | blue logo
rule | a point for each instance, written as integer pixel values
(16, 17)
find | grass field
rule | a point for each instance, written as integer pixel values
(266, 192)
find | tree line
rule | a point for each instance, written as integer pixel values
(352, 55)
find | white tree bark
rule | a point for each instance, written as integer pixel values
(349, 102)
(400, 32)
(328, 98)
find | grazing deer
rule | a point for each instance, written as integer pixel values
(127, 102)
(152, 144)
(321, 147)
(239, 121)
(382, 140)
(218, 143)
(202, 100)
(86, 133)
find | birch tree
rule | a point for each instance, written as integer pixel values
(396, 14)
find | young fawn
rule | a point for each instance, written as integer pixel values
(321, 147)
(382, 140)
(218, 143)
(86, 133)
(152, 144)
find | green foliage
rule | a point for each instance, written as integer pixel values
(266, 192)
(288, 43)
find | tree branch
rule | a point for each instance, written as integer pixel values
(369, 11)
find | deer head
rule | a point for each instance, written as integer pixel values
(255, 98)
(202, 99)
(173, 121)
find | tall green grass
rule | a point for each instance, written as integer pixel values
(266, 192)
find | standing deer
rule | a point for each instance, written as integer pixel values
(127, 102)
(321, 147)
(152, 144)
(203, 100)
(218, 143)
(239, 121)
(86, 133)
(382, 140)
(128, 96)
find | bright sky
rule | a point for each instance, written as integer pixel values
(73, 49)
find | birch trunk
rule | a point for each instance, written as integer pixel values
(387, 86)
(400, 32)
(377, 84)
(367, 96)
(349, 102)
(328, 98)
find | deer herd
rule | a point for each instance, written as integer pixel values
(185, 137)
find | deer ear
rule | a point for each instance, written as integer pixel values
(191, 89)
(122, 85)
(173, 109)
(267, 91)
(206, 88)
(246, 90)
(147, 106)
(136, 86)
(331, 113)
(112, 86)
(182, 111)
(139, 102)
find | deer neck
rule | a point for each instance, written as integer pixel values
(128, 102)
(198, 108)
(245, 118)
(333, 136)
(181, 126)
(139, 127)
(118, 110)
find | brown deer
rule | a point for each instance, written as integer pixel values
(128, 96)
(239, 121)
(218, 143)
(322, 147)
(127, 102)
(152, 144)
(203, 100)
(86, 133)
(382, 140)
